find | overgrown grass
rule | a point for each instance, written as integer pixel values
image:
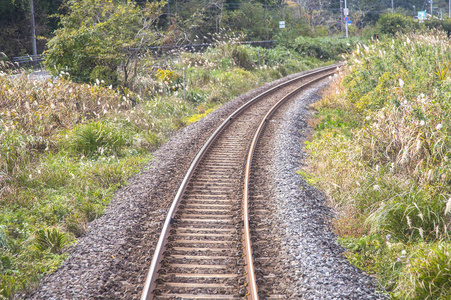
(66, 147)
(381, 152)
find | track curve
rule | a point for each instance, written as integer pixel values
(205, 248)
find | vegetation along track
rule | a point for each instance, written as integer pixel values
(205, 248)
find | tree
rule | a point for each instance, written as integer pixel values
(15, 25)
(99, 36)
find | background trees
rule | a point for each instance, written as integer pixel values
(98, 36)
(15, 25)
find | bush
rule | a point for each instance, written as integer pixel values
(97, 139)
(427, 275)
(444, 25)
(95, 38)
(392, 23)
(411, 217)
(241, 56)
(50, 239)
(105, 74)
(324, 48)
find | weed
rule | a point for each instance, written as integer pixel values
(427, 274)
(8, 286)
(442, 73)
(97, 139)
(3, 238)
(52, 240)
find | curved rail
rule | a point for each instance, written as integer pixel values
(155, 264)
(252, 287)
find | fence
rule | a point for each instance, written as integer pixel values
(35, 61)
(159, 50)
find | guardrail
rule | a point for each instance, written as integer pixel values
(29, 61)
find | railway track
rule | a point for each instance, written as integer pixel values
(205, 249)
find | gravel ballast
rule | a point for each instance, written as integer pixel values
(112, 259)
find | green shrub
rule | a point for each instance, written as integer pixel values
(97, 139)
(444, 24)
(52, 240)
(8, 286)
(324, 48)
(105, 74)
(392, 23)
(427, 275)
(241, 56)
(3, 238)
(411, 216)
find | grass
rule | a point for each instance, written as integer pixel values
(381, 152)
(67, 147)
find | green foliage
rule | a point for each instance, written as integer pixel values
(427, 275)
(8, 286)
(376, 254)
(50, 239)
(3, 238)
(94, 37)
(241, 56)
(98, 138)
(324, 48)
(381, 153)
(410, 217)
(442, 72)
(444, 25)
(392, 23)
(15, 33)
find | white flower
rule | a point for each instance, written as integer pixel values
(376, 187)
(422, 123)
(401, 82)
(448, 206)
(439, 126)
(368, 118)
(404, 252)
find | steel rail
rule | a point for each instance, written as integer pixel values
(160, 248)
(252, 285)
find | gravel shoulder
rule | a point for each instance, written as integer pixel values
(315, 260)
(111, 261)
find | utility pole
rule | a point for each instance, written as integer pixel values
(346, 23)
(431, 9)
(392, 7)
(341, 20)
(33, 29)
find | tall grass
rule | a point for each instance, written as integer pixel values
(382, 154)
